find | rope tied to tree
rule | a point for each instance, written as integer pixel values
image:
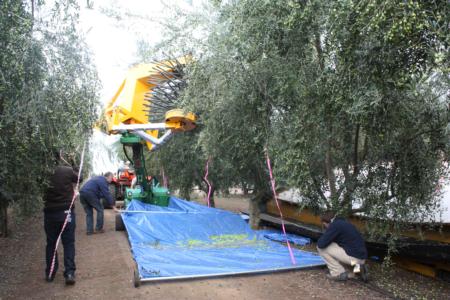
(207, 182)
(272, 182)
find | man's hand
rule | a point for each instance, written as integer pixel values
(115, 209)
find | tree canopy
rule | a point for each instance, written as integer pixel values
(350, 99)
(48, 97)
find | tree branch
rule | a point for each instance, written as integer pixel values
(319, 190)
(355, 153)
(330, 172)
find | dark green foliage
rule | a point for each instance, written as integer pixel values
(376, 110)
(48, 93)
(349, 97)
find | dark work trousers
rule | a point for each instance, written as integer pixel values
(53, 223)
(89, 203)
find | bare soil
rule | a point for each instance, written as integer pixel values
(105, 271)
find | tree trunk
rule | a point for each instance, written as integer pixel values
(3, 200)
(257, 205)
(244, 189)
(318, 45)
(3, 218)
(185, 193)
(213, 189)
(211, 199)
(330, 174)
(328, 159)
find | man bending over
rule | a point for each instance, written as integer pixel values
(342, 246)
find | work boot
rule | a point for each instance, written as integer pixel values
(364, 272)
(70, 279)
(100, 231)
(50, 278)
(341, 277)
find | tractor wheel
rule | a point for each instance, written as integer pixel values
(119, 223)
(113, 191)
(136, 279)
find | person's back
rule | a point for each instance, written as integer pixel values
(342, 246)
(96, 186)
(59, 193)
(58, 198)
(90, 195)
(345, 235)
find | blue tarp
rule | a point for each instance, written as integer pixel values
(278, 236)
(188, 239)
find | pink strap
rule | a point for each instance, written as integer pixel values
(207, 182)
(272, 181)
(52, 268)
(165, 183)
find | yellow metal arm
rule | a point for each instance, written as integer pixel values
(128, 110)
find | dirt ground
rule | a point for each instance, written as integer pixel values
(105, 271)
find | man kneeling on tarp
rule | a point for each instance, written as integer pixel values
(342, 246)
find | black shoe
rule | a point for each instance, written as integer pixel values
(364, 273)
(50, 278)
(70, 279)
(340, 277)
(89, 233)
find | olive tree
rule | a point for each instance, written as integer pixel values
(48, 93)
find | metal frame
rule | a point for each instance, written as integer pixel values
(134, 127)
(156, 142)
(263, 271)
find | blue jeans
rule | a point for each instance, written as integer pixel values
(53, 222)
(89, 202)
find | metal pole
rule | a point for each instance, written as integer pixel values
(157, 142)
(133, 127)
(310, 266)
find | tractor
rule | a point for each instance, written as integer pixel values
(122, 180)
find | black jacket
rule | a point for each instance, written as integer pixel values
(345, 235)
(59, 194)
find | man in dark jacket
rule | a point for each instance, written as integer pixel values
(57, 200)
(342, 245)
(90, 195)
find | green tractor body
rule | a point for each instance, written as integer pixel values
(147, 189)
